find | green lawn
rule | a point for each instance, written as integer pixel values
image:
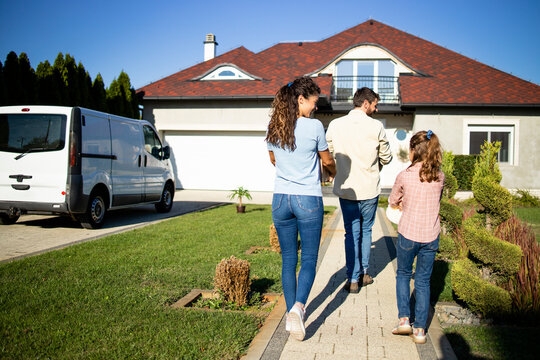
(532, 216)
(493, 342)
(106, 299)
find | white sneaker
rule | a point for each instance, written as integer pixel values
(288, 323)
(296, 315)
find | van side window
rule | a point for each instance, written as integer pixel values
(152, 144)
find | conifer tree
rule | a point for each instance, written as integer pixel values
(3, 94)
(85, 87)
(72, 81)
(115, 98)
(47, 90)
(27, 80)
(60, 79)
(99, 95)
(12, 77)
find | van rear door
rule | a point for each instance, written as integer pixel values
(33, 156)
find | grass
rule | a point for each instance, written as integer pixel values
(532, 216)
(106, 298)
(493, 342)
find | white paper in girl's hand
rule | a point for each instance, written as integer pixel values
(393, 214)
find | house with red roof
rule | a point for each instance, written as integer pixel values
(214, 114)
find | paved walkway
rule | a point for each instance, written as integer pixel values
(340, 325)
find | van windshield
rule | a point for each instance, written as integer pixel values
(21, 133)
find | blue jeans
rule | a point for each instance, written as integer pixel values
(293, 214)
(358, 217)
(407, 250)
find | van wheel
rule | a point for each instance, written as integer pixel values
(94, 218)
(6, 219)
(166, 202)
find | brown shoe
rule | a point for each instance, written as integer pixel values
(352, 287)
(366, 280)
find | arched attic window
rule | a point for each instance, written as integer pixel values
(226, 72)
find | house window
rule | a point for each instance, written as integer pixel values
(378, 75)
(505, 134)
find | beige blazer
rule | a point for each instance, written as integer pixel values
(359, 144)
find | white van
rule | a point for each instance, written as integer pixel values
(79, 162)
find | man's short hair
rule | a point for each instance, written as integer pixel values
(364, 94)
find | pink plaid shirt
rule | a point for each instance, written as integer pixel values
(420, 205)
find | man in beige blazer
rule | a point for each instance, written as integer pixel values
(359, 144)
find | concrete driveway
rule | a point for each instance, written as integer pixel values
(34, 234)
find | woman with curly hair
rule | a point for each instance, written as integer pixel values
(296, 142)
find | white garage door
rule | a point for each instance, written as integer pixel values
(218, 161)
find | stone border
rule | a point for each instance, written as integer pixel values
(195, 294)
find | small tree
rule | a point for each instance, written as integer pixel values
(450, 181)
(240, 192)
(496, 200)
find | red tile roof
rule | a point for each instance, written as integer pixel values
(450, 78)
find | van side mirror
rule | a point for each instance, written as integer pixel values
(166, 153)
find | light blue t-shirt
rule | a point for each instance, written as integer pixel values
(298, 171)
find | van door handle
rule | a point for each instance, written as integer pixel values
(139, 160)
(145, 160)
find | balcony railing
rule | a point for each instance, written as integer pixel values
(344, 87)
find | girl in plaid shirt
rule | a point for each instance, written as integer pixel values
(417, 192)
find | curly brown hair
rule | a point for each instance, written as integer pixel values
(285, 112)
(426, 148)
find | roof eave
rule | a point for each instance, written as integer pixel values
(212, 97)
(469, 105)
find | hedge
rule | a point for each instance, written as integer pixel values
(447, 248)
(501, 256)
(481, 296)
(464, 170)
(451, 215)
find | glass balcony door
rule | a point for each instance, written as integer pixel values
(378, 75)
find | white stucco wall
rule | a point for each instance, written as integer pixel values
(451, 126)
(209, 115)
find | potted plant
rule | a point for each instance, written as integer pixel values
(239, 193)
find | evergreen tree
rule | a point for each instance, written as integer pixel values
(47, 92)
(131, 101)
(85, 87)
(12, 77)
(115, 99)
(60, 80)
(3, 94)
(27, 80)
(72, 81)
(99, 95)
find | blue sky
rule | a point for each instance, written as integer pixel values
(153, 39)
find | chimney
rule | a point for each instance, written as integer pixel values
(210, 47)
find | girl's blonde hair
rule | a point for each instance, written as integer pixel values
(426, 148)
(285, 112)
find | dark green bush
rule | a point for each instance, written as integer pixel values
(451, 215)
(503, 257)
(480, 295)
(450, 186)
(496, 200)
(447, 248)
(464, 170)
(450, 181)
